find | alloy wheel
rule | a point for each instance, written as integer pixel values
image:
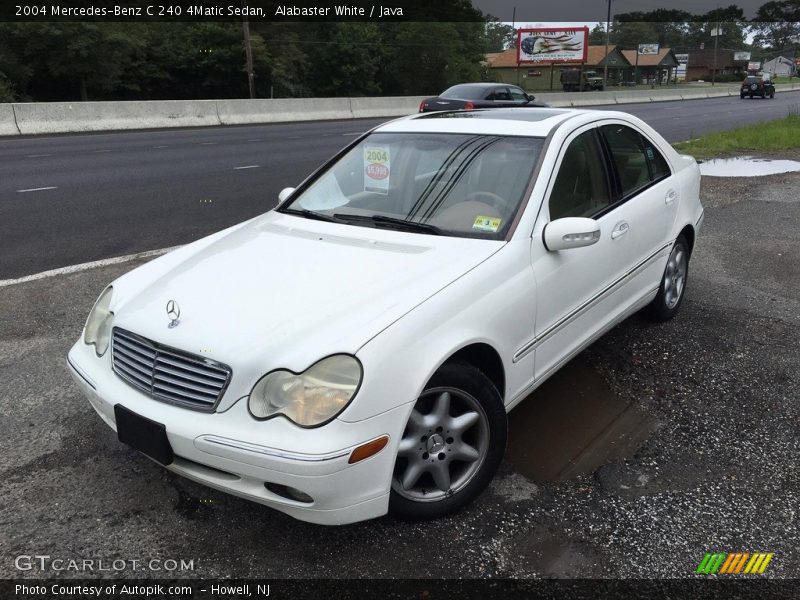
(443, 446)
(674, 276)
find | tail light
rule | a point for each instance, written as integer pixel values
(422, 106)
(469, 106)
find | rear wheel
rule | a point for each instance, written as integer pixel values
(673, 283)
(452, 445)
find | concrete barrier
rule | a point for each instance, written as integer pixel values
(64, 117)
(280, 110)
(59, 117)
(8, 122)
(394, 106)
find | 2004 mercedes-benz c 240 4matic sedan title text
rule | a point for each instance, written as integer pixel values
(356, 350)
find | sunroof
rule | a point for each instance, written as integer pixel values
(506, 114)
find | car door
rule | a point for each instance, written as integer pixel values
(645, 184)
(502, 97)
(581, 291)
(518, 97)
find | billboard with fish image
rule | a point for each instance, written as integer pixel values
(547, 45)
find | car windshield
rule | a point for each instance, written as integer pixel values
(465, 92)
(461, 185)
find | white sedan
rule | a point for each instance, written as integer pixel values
(356, 350)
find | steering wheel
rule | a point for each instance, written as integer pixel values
(497, 202)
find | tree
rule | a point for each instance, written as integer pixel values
(500, 36)
(777, 24)
(428, 57)
(597, 36)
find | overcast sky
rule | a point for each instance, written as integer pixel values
(539, 11)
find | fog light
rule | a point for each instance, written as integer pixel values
(289, 493)
(368, 449)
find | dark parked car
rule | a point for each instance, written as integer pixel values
(757, 86)
(467, 96)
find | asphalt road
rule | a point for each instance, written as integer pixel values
(71, 199)
(656, 445)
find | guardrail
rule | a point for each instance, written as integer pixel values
(71, 117)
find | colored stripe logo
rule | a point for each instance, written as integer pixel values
(734, 563)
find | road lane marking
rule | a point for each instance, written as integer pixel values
(50, 187)
(294, 137)
(38, 155)
(208, 143)
(160, 146)
(100, 151)
(86, 266)
(247, 167)
(255, 140)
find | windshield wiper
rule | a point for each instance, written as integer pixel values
(382, 220)
(310, 214)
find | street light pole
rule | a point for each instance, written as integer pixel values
(608, 38)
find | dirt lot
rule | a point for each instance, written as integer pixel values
(656, 445)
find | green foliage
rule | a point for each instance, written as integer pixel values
(6, 89)
(777, 24)
(769, 136)
(115, 61)
(500, 36)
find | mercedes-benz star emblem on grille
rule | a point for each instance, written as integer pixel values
(173, 312)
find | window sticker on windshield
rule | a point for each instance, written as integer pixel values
(487, 223)
(376, 169)
(650, 154)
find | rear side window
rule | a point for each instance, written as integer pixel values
(629, 157)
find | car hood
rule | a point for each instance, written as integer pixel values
(283, 292)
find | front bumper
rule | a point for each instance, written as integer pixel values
(232, 452)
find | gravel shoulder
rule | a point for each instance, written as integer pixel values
(700, 452)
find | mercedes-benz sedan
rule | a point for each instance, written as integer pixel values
(357, 350)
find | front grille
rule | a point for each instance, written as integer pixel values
(167, 374)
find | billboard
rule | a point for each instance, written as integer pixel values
(648, 48)
(753, 66)
(548, 45)
(741, 56)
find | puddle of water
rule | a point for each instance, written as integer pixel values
(747, 166)
(573, 424)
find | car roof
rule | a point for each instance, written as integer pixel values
(519, 121)
(483, 84)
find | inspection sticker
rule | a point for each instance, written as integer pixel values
(486, 223)
(376, 169)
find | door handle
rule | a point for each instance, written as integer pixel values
(671, 196)
(620, 228)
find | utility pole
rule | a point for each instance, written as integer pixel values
(715, 33)
(248, 52)
(608, 38)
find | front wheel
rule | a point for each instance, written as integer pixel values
(452, 445)
(673, 283)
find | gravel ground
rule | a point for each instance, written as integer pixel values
(709, 463)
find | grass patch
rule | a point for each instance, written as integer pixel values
(768, 136)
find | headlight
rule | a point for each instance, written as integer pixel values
(98, 325)
(310, 398)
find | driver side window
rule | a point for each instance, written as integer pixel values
(581, 186)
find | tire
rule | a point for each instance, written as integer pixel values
(772, 96)
(470, 454)
(665, 305)
(741, 96)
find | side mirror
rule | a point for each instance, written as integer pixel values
(285, 193)
(530, 97)
(570, 232)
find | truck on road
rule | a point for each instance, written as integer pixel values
(575, 80)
